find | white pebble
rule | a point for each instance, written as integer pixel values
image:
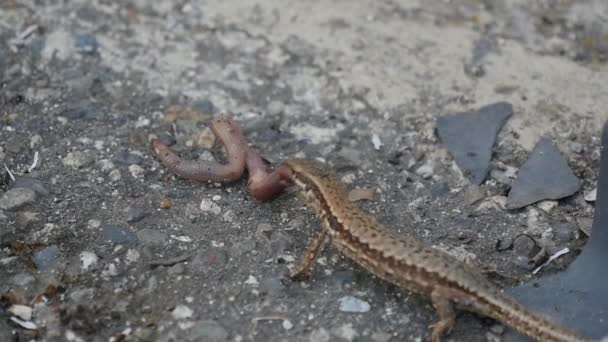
(376, 141)
(142, 122)
(209, 207)
(136, 171)
(132, 256)
(353, 304)
(89, 259)
(182, 312)
(93, 224)
(591, 195)
(115, 175)
(106, 165)
(287, 325)
(251, 281)
(228, 216)
(547, 205)
(22, 311)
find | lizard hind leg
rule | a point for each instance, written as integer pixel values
(446, 313)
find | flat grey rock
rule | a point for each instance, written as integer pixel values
(470, 137)
(545, 175)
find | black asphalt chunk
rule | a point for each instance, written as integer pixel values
(577, 298)
(470, 137)
(545, 175)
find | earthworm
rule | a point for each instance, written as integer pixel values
(229, 134)
(263, 185)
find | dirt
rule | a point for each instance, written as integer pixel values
(93, 81)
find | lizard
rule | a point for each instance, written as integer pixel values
(403, 261)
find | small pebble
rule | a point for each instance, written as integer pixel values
(25, 324)
(88, 259)
(576, 147)
(206, 138)
(132, 256)
(287, 325)
(22, 311)
(591, 195)
(547, 205)
(208, 206)
(16, 198)
(228, 216)
(35, 141)
(275, 107)
(376, 142)
(585, 225)
(356, 195)
(353, 304)
(93, 224)
(381, 336)
(425, 171)
(181, 312)
(263, 230)
(105, 165)
(115, 175)
(251, 280)
(136, 171)
(77, 160)
(165, 203)
(135, 214)
(142, 121)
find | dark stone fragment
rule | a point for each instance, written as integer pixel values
(118, 235)
(545, 175)
(470, 137)
(577, 297)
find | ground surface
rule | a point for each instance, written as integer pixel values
(94, 80)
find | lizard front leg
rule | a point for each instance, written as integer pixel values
(312, 251)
